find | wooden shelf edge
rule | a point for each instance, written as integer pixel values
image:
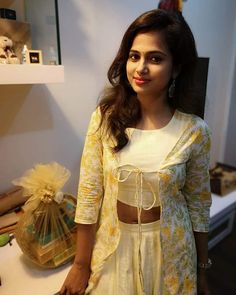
(31, 74)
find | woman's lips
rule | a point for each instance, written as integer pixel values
(141, 81)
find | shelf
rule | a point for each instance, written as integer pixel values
(31, 74)
(37, 26)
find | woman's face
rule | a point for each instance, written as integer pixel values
(149, 66)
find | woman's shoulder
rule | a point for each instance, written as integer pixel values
(193, 122)
(96, 114)
(99, 124)
(99, 114)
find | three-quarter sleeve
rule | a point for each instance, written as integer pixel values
(197, 185)
(90, 191)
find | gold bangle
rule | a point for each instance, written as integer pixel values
(203, 265)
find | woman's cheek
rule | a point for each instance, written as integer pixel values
(129, 71)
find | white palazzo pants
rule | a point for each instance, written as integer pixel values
(135, 267)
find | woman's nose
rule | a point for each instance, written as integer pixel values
(142, 67)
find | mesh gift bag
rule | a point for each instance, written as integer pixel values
(46, 232)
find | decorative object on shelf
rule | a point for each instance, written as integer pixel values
(46, 230)
(3, 53)
(7, 54)
(34, 57)
(7, 13)
(52, 56)
(24, 54)
(223, 179)
(18, 32)
(173, 5)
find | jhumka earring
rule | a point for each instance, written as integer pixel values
(171, 89)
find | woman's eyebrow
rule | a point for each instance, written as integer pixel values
(149, 52)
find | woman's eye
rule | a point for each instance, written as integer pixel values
(133, 57)
(156, 59)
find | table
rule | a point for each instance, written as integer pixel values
(21, 277)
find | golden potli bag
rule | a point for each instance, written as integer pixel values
(46, 231)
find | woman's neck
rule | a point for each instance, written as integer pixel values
(156, 113)
(153, 103)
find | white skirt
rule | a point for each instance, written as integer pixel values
(135, 267)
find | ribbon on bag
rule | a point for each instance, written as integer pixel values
(43, 183)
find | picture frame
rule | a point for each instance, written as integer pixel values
(34, 57)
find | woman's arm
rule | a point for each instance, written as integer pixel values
(198, 196)
(89, 201)
(91, 186)
(84, 244)
(77, 278)
(201, 240)
(197, 189)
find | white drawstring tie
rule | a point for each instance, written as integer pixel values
(139, 180)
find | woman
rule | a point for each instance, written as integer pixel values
(144, 196)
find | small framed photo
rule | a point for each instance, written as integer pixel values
(34, 57)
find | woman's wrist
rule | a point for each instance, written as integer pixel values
(82, 265)
(203, 266)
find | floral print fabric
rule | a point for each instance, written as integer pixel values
(184, 196)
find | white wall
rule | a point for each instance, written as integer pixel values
(213, 24)
(230, 142)
(49, 122)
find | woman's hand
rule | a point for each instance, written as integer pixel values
(76, 281)
(202, 284)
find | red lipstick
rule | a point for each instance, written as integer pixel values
(140, 81)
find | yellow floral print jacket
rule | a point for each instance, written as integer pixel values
(184, 195)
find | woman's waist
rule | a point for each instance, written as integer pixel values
(129, 214)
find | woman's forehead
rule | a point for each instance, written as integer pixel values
(150, 41)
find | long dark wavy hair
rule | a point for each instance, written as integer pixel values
(119, 105)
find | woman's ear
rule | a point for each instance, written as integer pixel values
(176, 71)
